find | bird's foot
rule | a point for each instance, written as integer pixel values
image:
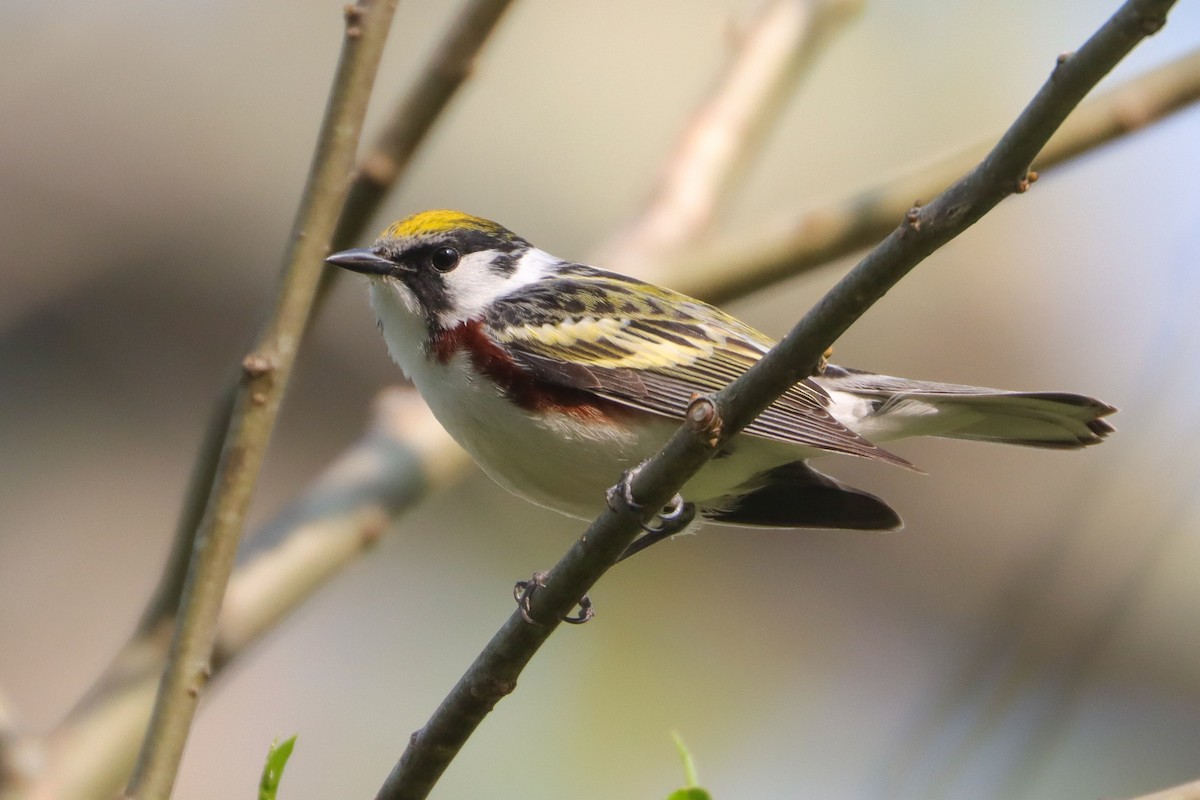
(523, 592)
(675, 515)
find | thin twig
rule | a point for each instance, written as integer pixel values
(388, 480)
(753, 260)
(376, 175)
(411, 121)
(711, 420)
(98, 730)
(266, 372)
(452, 63)
(716, 145)
(95, 725)
(161, 608)
(402, 458)
(749, 262)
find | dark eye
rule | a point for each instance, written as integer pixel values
(444, 259)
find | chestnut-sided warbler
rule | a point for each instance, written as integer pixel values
(557, 376)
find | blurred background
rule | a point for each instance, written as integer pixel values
(1031, 634)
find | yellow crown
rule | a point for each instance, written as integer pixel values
(431, 223)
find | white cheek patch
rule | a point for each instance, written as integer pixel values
(532, 266)
(475, 283)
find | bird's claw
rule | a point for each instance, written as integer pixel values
(623, 490)
(523, 592)
(674, 517)
(586, 612)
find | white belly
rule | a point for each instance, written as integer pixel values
(555, 460)
(559, 461)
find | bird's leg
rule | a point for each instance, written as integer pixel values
(523, 593)
(676, 515)
(674, 518)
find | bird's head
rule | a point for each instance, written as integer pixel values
(446, 265)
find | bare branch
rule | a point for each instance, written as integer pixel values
(377, 173)
(1159, 90)
(712, 420)
(452, 63)
(715, 146)
(110, 714)
(161, 607)
(750, 262)
(755, 260)
(113, 714)
(404, 457)
(266, 372)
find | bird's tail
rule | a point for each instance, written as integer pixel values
(887, 408)
(797, 496)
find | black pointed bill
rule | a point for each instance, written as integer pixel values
(364, 260)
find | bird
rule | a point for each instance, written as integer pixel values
(557, 377)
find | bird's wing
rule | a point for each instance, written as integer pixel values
(653, 349)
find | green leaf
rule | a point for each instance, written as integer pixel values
(691, 791)
(277, 758)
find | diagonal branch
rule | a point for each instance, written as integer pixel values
(754, 260)
(377, 174)
(83, 733)
(717, 144)
(410, 122)
(266, 372)
(715, 418)
(98, 731)
(1158, 92)
(402, 458)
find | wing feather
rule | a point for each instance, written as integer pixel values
(653, 349)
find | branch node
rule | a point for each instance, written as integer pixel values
(353, 14)
(1151, 24)
(492, 689)
(255, 366)
(1060, 63)
(704, 418)
(912, 220)
(1024, 183)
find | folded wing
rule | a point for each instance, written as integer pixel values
(654, 350)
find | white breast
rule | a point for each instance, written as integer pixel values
(550, 459)
(553, 459)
